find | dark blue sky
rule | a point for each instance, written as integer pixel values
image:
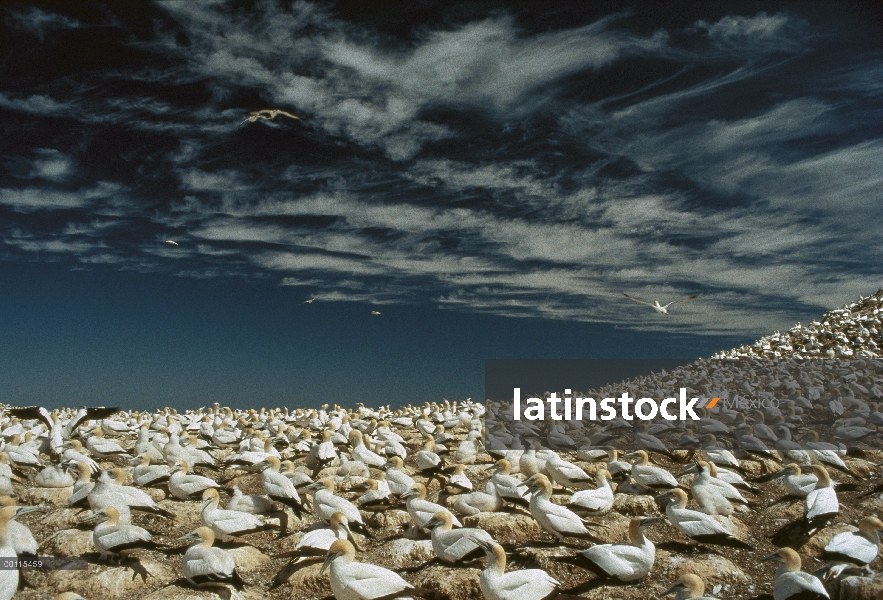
(489, 176)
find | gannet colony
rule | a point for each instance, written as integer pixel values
(373, 503)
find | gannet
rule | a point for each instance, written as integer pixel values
(376, 313)
(8, 577)
(311, 300)
(457, 482)
(477, 502)
(279, 487)
(204, 564)
(455, 545)
(795, 483)
(509, 488)
(497, 584)
(145, 474)
(351, 580)
(554, 519)
(361, 453)
(565, 474)
(688, 587)
(313, 547)
(698, 526)
(650, 476)
(623, 562)
(420, 509)
(54, 476)
(110, 491)
(599, 500)
(172, 242)
(660, 308)
(185, 485)
(326, 503)
(791, 582)
(267, 114)
(373, 498)
(399, 481)
(112, 537)
(102, 447)
(19, 534)
(228, 524)
(249, 503)
(711, 498)
(858, 547)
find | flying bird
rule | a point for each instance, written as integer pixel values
(310, 301)
(660, 308)
(172, 242)
(269, 114)
(375, 313)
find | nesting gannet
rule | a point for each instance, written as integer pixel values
(374, 498)
(204, 564)
(479, 501)
(326, 503)
(858, 547)
(660, 308)
(557, 520)
(565, 474)
(650, 476)
(623, 562)
(74, 453)
(249, 503)
(455, 545)
(687, 587)
(420, 510)
(697, 525)
(819, 507)
(599, 500)
(509, 488)
(8, 577)
(58, 431)
(228, 524)
(103, 447)
(279, 487)
(110, 491)
(112, 537)
(19, 534)
(361, 453)
(185, 485)
(351, 580)
(399, 481)
(146, 474)
(711, 498)
(267, 114)
(54, 476)
(791, 582)
(497, 584)
(796, 484)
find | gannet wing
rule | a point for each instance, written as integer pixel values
(633, 299)
(32, 412)
(371, 581)
(287, 114)
(685, 299)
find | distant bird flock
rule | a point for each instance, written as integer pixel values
(369, 503)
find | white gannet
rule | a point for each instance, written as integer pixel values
(326, 503)
(795, 483)
(650, 476)
(313, 547)
(103, 447)
(697, 525)
(554, 519)
(497, 584)
(267, 114)
(110, 491)
(509, 488)
(660, 308)
(858, 547)
(351, 580)
(8, 577)
(146, 474)
(599, 500)
(54, 476)
(204, 564)
(74, 453)
(279, 487)
(112, 537)
(361, 453)
(791, 582)
(171, 242)
(228, 524)
(687, 587)
(420, 509)
(623, 562)
(185, 485)
(455, 545)
(19, 534)
(249, 503)
(399, 481)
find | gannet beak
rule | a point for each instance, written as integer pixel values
(773, 556)
(653, 520)
(23, 510)
(409, 493)
(96, 518)
(675, 588)
(328, 560)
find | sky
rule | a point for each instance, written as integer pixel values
(490, 177)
